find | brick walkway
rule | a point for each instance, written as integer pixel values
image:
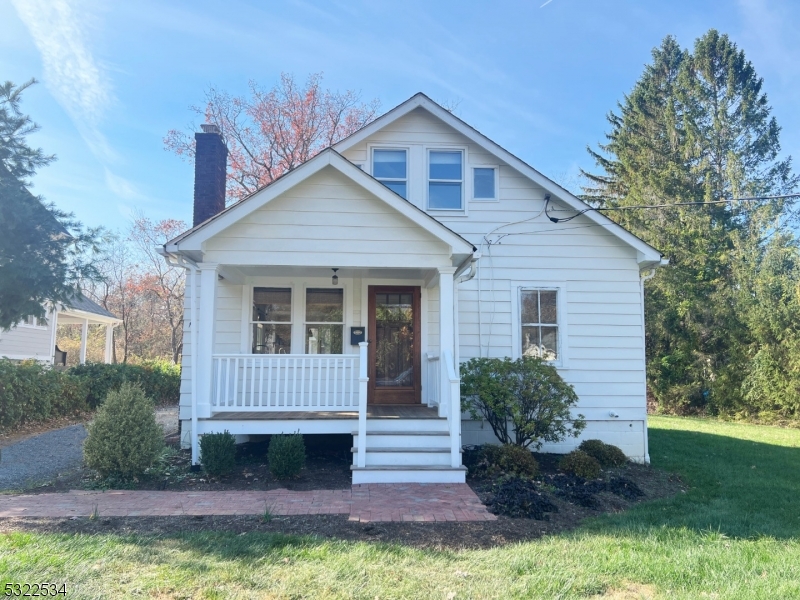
(368, 502)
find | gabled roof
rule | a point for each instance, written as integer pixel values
(647, 254)
(192, 239)
(84, 304)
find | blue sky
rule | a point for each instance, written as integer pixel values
(537, 77)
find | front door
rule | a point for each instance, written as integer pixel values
(394, 345)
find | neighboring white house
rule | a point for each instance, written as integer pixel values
(342, 297)
(35, 339)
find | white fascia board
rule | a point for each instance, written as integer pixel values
(193, 240)
(649, 253)
(94, 318)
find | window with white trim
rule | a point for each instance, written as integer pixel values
(484, 183)
(445, 180)
(539, 323)
(272, 320)
(324, 321)
(390, 167)
(31, 321)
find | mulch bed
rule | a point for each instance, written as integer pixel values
(328, 467)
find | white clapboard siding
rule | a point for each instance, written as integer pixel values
(599, 276)
(325, 220)
(26, 342)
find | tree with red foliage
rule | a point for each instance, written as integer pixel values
(270, 132)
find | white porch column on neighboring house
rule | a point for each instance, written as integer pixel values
(446, 330)
(84, 337)
(109, 351)
(202, 357)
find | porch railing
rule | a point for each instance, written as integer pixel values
(285, 382)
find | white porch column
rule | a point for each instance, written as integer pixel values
(84, 337)
(109, 352)
(203, 354)
(446, 332)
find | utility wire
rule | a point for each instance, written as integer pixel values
(599, 208)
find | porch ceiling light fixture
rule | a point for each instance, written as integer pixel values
(335, 278)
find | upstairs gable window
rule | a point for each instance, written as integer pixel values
(390, 167)
(445, 180)
(484, 183)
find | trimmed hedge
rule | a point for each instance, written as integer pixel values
(31, 391)
(607, 455)
(580, 464)
(218, 453)
(160, 380)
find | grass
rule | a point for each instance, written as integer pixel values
(735, 534)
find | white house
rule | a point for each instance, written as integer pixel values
(342, 297)
(36, 339)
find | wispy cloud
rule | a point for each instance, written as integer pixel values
(546, 3)
(71, 72)
(122, 187)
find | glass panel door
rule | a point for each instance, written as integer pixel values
(394, 350)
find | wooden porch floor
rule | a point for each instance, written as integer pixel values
(395, 411)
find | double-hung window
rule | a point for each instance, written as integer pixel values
(539, 312)
(272, 320)
(324, 321)
(390, 167)
(445, 180)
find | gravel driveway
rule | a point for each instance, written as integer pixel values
(42, 457)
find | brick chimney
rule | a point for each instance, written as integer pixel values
(210, 166)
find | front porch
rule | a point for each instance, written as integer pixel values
(250, 393)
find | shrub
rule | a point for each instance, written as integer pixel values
(508, 459)
(581, 464)
(517, 497)
(528, 393)
(606, 454)
(218, 453)
(31, 391)
(124, 438)
(286, 455)
(160, 380)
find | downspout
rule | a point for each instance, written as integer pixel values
(645, 440)
(191, 267)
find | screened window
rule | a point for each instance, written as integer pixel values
(540, 323)
(484, 183)
(272, 320)
(390, 167)
(324, 321)
(32, 321)
(445, 179)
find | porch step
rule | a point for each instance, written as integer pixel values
(407, 425)
(408, 474)
(406, 457)
(405, 439)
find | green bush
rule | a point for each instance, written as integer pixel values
(508, 459)
(581, 464)
(218, 453)
(124, 438)
(606, 454)
(528, 394)
(32, 391)
(160, 380)
(286, 455)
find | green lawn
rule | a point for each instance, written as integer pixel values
(735, 534)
